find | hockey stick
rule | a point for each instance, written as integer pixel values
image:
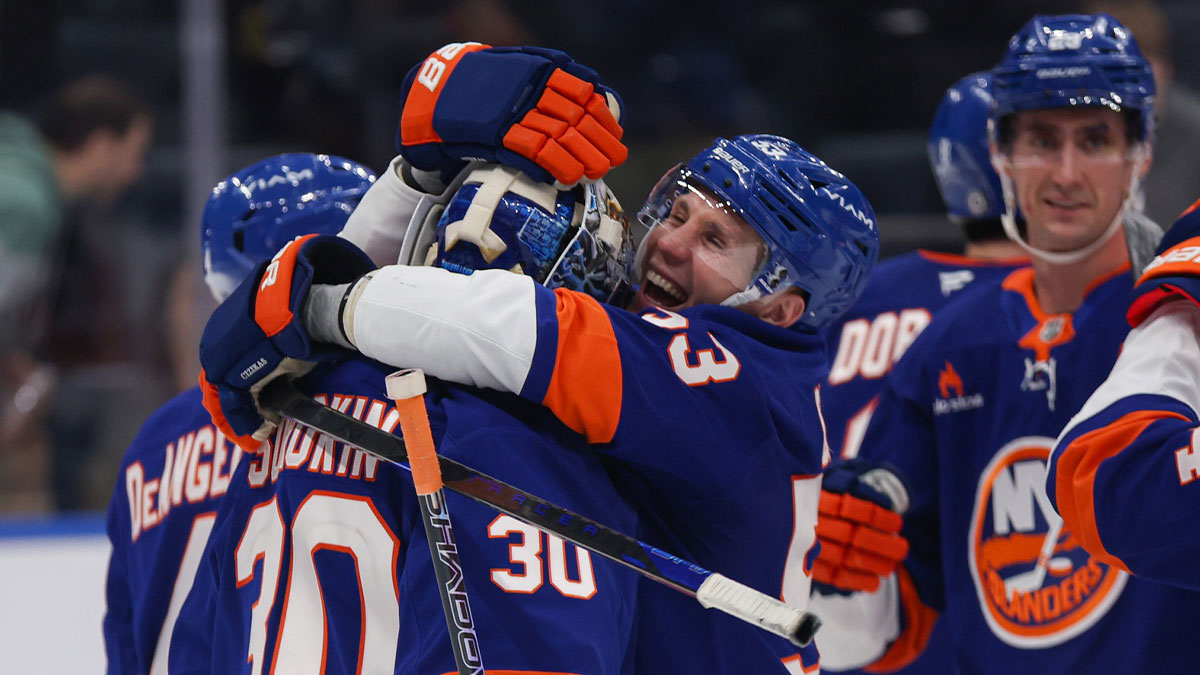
(407, 389)
(709, 588)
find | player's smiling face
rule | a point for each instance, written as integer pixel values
(700, 254)
(1070, 170)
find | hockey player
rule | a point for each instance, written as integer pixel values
(318, 561)
(178, 467)
(962, 434)
(1122, 473)
(705, 414)
(905, 292)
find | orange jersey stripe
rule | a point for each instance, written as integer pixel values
(1075, 476)
(585, 387)
(1182, 259)
(918, 624)
(416, 120)
(796, 659)
(1022, 281)
(968, 261)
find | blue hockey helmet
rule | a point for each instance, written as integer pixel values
(958, 151)
(252, 213)
(495, 217)
(817, 227)
(1076, 60)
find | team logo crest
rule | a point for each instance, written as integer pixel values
(1036, 586)
(1052, 329)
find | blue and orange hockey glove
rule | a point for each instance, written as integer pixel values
(258, 333)
(1175, 270)
(533, 109)
(858, 525)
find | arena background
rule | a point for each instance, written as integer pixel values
(231, 82)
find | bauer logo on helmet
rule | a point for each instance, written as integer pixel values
(1057, 73)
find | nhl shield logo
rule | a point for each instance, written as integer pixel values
(1036, 586)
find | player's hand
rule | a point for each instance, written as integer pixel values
(1174, 272)
(858, 526)
(258, 333)
(533, 109)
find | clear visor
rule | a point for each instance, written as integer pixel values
(682, 215)
(1033, 151)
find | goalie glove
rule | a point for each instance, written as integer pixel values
(258, 333)
(858, 526)
(533, 109)
(1175, 270)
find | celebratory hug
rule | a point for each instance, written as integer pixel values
(608, 391)
(663, 384)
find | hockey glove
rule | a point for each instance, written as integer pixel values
(858, 525)
(1175, 270)
(258, 334)
(533, 109)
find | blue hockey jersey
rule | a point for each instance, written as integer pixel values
(318, 562)
(724, 471)
(901, 297)
(162, 510)
(707, 420)
(968, 419)
(1123, 473)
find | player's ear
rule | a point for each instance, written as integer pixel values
(783, 309)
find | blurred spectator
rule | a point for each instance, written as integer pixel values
(84, 146)
(1174, 178)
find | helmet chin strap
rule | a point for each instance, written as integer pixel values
(768, 281)
(1009, 220)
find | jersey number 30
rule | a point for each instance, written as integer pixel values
(351, 525)
(324, 521)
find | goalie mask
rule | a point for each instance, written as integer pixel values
(494, 217)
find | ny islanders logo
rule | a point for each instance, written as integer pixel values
(1037, 587)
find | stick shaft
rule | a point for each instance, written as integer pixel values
(464, 642)
(282, 397)
(406, 388)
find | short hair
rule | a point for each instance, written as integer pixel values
(82, 107)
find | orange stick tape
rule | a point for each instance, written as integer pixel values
(407, 389)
